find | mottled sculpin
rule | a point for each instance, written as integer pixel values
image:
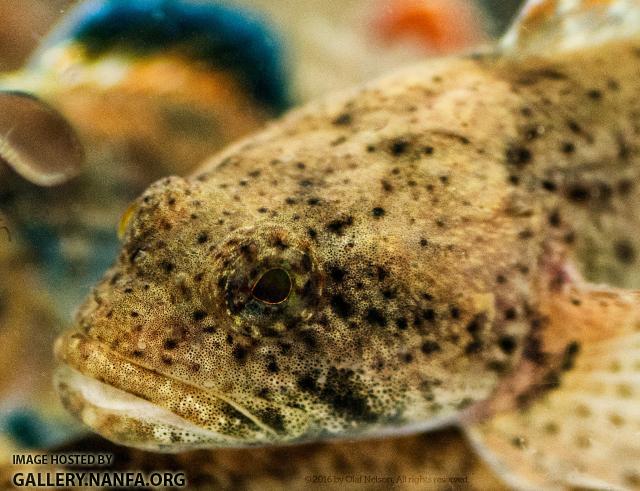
(408, 254)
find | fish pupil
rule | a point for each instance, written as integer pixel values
(273, 287)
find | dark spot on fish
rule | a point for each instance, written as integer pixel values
(594, 94)
(533, 351)
(476, 324)
(376, 317)
(624, 251)
(507, 344)
(198, 315)
(518, 155)
(534, 76)
(429, 347)
(272, 418)
(549, 185)
(337, 274)
(429, 315)
(625, 186)
(574, 126)
(272, 366)
(568, 147)
(473, 347)
(341, 307)
(398, 147)
(343, 119)
(307, 383)
(344, 394)
(378, 212)
(170, 344)
(578, 193)
(407, 357)
(338, 226)
(239, 353)
(569, 356)
(202, 237)
(167, 266)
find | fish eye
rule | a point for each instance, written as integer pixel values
(265, 280)
(273, 287)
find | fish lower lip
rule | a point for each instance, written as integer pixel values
(136, 406)
(125, 418)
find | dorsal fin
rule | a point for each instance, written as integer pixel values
(545, 26)
(220, 36)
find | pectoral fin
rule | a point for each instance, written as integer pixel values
(578, 423)
(36, 141)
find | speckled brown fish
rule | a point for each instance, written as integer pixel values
(411, 253)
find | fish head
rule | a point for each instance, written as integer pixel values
(330, 305)
(217, 328)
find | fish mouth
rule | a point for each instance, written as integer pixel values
(136, 406)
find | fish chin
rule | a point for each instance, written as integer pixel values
(129, 420)
(139, 407)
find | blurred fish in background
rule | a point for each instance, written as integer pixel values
(150, 88)
(24, 24)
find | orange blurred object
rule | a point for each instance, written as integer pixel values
(440, 26)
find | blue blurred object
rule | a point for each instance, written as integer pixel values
(28, 430)
(70, 277)
(224, 37)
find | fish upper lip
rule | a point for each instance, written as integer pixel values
(92, 359)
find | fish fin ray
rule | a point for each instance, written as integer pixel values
(583, 431)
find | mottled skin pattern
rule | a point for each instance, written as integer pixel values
(419, 220)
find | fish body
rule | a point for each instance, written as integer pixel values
(411, 253)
